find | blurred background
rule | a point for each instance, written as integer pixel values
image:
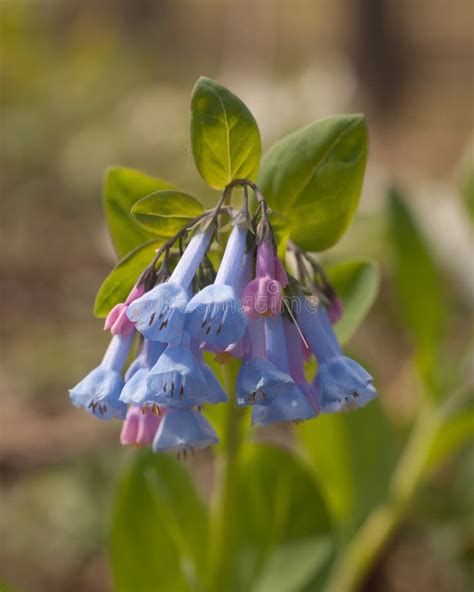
(85, 85)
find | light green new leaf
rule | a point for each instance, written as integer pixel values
(352, 455)
(292, 566)
(225, 138)
(164, 213)
(356, 283)
(417, 281)
(160, 528)
(122, 188)
(314, 177)
(123, 276)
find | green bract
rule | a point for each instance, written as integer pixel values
(314, 177)
(224, 135)
(123, 276)
(164, 213)
(122, 188)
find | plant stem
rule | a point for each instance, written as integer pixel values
(356, 560)
(222, 532)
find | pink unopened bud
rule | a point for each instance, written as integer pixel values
(262, 297)
(139, 428)
(117, 320)
(147, 427)
(129, 432)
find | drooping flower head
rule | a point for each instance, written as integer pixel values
(342, 383)
(139, 427)
(98, 393)
(193, 309)
(215, 314)
(183, 429)
(160, 313)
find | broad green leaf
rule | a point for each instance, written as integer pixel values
(352, 455)
(356, 283)
(293, 565)
(121, 189)
(453, 434)
(277, 502)
(123, 277)
(160, 528)
(417, 281)
(224, 135)
(314, 177)
(164, 213)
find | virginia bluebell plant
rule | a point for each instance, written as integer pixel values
(252, 309)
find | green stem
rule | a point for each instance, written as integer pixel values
(222, 531)
(356, 560)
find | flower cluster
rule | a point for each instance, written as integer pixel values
(251, 310)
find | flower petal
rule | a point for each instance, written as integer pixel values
(183, 429)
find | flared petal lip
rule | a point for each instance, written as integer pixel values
(349, 402)
(183, 429)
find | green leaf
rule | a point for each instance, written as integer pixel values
(293, 565)
(453, 434)
(160, 528)
(357, 284)
(314, 177)
(123, 277)
(352, 455)
(278, 503)
(224, 135)
(164, 213)
(417, 281)
(121, 189)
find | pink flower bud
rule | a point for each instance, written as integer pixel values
(117, 320)
(262, 297)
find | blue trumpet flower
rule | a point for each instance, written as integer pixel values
(98, 393)
(180, 378)
(342, 383)
(286, 402)
(160, 313)
(215, 314)
(135, 390)
(259, 382)
(290, 406)
(183, 429)
(149, 354)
